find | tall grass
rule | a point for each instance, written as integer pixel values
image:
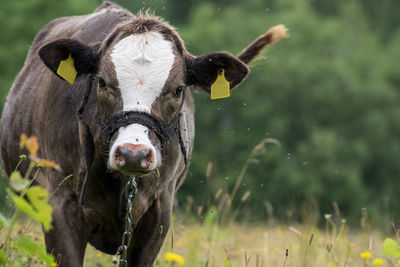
(214, 238)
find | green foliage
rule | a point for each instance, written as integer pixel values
(26, 244)
(226, 261)
(35, 205)
(324, 93)
(4, 222)
(38, 208)
(17, 182)
(2, 256)
(390, 248)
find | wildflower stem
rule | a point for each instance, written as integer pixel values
(307, 249)
(27, 174)
(7, 241)
(19, 162)
(30, 169)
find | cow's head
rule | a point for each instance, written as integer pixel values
(143, 66)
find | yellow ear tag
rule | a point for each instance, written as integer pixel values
(221, 87)
(67, 70)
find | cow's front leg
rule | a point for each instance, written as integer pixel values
(150, 233)
(68, 237)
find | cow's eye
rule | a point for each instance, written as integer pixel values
(178, 91)
(102, 84)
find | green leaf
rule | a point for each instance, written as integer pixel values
(39, 198)
(18, 183)
(39, 209)
(390, 248)
(4, 222)
(26, 244)
(2, 256)
(226, 261)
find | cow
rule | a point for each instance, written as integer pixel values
(127, 111)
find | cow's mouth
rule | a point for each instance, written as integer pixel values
(135, 172)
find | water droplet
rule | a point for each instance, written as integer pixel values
(305, 163)
(218, 109)
(261, 185)
(163, 8)
(243, 184)
(244, 104)
(267, 133)
(248, 129)
(226, 178)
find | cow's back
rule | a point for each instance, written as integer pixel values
(41, 104)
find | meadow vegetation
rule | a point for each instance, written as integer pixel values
(212, 238)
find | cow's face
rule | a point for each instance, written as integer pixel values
(143, 66)
(143, 72)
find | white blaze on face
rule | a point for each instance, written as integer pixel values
(142, 64)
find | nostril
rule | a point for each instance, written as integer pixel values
(119, 158)
(147, 161)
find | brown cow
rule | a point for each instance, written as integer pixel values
(129, 112)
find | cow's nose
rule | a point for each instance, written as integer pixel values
(130, 158)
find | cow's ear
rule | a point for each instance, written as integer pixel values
(202, 71)
(84, 57)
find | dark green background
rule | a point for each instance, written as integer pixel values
(330, 94)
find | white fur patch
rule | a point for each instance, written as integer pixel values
(142, 63)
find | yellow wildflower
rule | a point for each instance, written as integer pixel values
(54, 264)
(378, 262)
(365, 254)
(174, 257)
(99, 255)
(46, 163)
(30, 143)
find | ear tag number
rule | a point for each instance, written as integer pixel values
(67, 70)
(221, 87)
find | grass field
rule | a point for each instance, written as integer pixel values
(205, 241)
(210, 244)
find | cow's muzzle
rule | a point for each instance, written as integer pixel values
(133, 159)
